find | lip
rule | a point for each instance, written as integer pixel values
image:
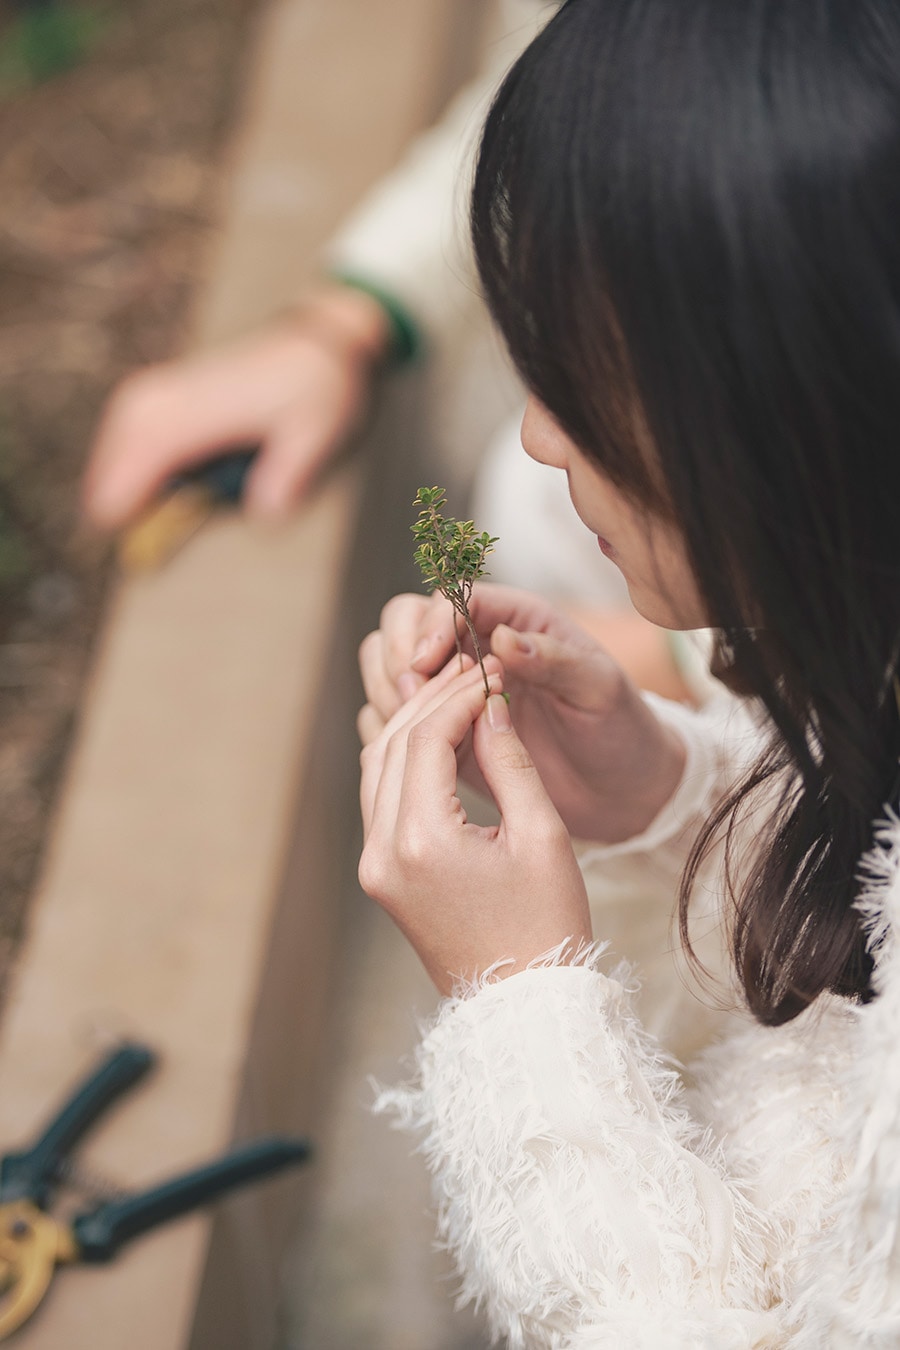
(605, 546)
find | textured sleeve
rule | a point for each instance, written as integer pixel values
(633, 886)
(858, 1302)
(721, 742)
(583, 1204)
(409, 234)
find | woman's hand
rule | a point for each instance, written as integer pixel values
(607, 762)
(465, 896)
(298, 388)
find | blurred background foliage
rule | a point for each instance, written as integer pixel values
(114, 124)
(40, 38)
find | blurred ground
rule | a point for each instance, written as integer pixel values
(110, 174)
(365, 1271)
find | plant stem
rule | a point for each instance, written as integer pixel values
(451, 558)
(477, 645)
(459, 650)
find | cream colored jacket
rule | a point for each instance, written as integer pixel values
(596, 1195)
(409, 235)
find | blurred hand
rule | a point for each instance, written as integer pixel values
(607, 762)
(299, 388)
(465, 896)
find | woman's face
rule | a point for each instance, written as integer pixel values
(648, 551)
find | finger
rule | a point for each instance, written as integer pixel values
(369, 724)
(489, 606)
(509, 771)
(398, 832)
(403, 622)
(371, 767)
(158, 421)
(582, 675)
(435, 637)
(435, 691)
(381, 690)
(303, 441)
(284, 474)
(425, 702)
(432, 740)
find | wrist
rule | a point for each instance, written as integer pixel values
(656, 755)
(346, 319)
(404, 336)
(660, 761)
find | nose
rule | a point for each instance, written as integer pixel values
(541, 438)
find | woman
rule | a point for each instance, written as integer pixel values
(685, 217)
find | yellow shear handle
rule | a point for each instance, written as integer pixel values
(31, 1246)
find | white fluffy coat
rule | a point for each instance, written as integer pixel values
(594, 1196)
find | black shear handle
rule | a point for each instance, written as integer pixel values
(100, 1233)
(31, 1173)
(222, 475)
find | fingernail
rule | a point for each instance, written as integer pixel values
(498, 713)
(101, 505)
(265, 501)
(407, 685)
(422, 650)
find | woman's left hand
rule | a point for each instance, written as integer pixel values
(466, 896)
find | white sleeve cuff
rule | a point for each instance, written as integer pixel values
(720, 743)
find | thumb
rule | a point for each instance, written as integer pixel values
(508, 769)
(584, 676)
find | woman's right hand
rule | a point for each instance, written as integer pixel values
(298, 388)
(606, 760)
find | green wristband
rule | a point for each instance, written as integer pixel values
(406, 340)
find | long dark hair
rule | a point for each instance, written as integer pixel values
(691, 208)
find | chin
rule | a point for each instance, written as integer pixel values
(661, 611)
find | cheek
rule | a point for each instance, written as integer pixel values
(542, 439)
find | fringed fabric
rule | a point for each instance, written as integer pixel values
(592, 1200)
(575, 1190)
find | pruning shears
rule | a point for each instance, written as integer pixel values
(188, 499)
(33, 1243)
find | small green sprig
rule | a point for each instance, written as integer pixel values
(450, 555)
